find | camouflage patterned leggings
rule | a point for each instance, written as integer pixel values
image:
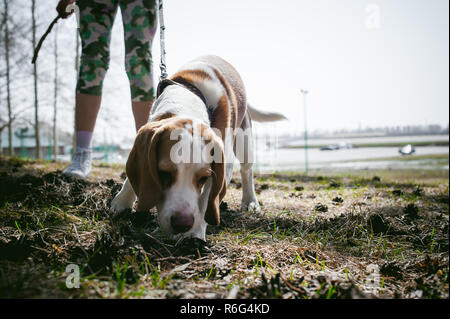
(139, 23)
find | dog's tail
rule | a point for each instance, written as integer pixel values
(262, 116)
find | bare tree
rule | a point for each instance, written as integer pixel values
(55, 103)
(43, 93)
(35, 77)
(8, 87)
(52, 100)
(2, 127)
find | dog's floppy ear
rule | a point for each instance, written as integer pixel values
(218, 188)
(142, 166)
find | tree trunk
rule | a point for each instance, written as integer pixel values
(8, 91)
(55, 103)
(77, 69)
(1, 131)
(35, 75)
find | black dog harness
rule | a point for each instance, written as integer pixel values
(188, 86)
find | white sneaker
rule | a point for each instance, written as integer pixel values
(81, 163)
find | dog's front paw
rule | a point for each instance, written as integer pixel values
(252, 206)
(120, 205)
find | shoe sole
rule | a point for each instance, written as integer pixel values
(74, 175)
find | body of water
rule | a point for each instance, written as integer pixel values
(270, 158)
(356, 158)
(364, 140)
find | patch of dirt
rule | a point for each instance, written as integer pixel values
(315, 237)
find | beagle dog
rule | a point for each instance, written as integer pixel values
(182, 159)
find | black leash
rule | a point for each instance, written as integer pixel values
(162, 37)
(38, 48)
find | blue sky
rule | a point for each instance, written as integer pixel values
(395, 73)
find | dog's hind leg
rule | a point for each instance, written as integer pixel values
(244, 153)
(249, 201)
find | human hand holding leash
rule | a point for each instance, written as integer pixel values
(62, 13)
(62, 8)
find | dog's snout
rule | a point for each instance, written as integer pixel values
(181, 222)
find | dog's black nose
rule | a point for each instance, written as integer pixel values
(181, 222)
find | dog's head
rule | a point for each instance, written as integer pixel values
(178, 166)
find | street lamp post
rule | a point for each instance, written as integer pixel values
(305, 92)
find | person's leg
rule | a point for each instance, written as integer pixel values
(139, 20)
(96, 21)
(86, 111)
(141, 112)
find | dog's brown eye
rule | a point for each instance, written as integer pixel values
(166, 178)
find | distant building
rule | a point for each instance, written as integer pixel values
(25, 146)
(24, 142)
